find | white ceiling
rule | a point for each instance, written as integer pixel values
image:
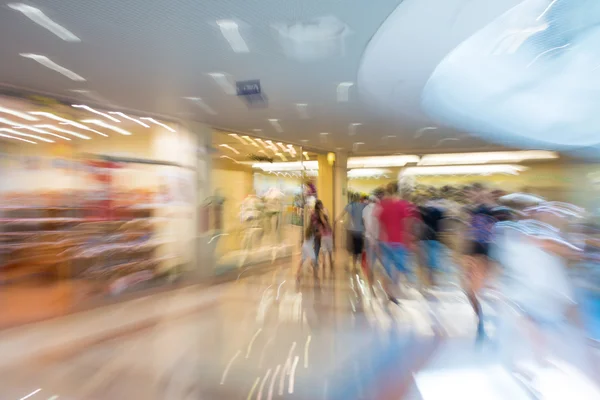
(148, 55)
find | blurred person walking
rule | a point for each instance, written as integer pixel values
(356, 229)
(372, 229)
(323, 232)
(534, 253)
(432, 213)
(476, 259)
(395, 217)
(308, 253)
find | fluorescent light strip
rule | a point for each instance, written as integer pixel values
(107, 126)
(281, 146)
(420, 132)
(368, 172)
(276, 125)
(37, 16)
(381, 162)
(17, 114)
(48, 63)
(14, 132)
(231, 32)
(16, 138)
(230, 148)
(66, 121)
(486, 157)
(287, 166)
(90, 109)
(343, 91)
(464, 170)
(305, 154)
(235, 135)
(232, 159)
(158, 123)
(41, 131)
(249, 139)
(224, 82)
(282, 156)
(262, 143)
(120, 114)
(55, 128)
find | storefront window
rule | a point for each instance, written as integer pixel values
(91, 207)
(261, 188)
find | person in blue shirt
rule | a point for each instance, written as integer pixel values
(356, 228)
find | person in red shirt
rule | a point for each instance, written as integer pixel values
(396, 217)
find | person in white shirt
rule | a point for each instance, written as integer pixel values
(372, 232)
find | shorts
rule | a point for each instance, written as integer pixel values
(433, 252)
(356, 241)
(478, 249)
(394, 257)
(308, 253)
(327, 243)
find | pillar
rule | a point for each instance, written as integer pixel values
(340, 191)
(325, 184)
(203, 264)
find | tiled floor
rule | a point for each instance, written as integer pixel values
(261, 337)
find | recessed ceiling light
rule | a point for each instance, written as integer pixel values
(120, 114)
(257, 130)
(200, 103)
(37, 16)
(302, 110)
(107, 126)
(352, 128)
(64, 121)
(17, 114)
(324, 133)
(48, 63)
(231, 31)
(343, 91)
(276, 125)
(224, 81)
(423, 130)
(90, 109)
(304, 140)
(155, 122)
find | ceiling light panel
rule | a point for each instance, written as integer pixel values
(231, 32)
(48, 63)
(343, 91)
(37, 16)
